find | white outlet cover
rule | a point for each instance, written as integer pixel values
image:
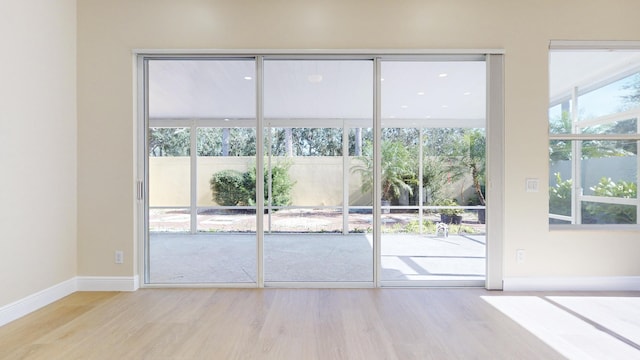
(532, 185)
(119, 257)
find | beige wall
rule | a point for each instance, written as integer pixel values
(109, 30)
(37, 146)
(318, 180)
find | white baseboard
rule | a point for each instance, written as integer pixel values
(605, 283)
(108, 283)
(33, 302)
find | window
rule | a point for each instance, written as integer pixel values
(594, 132)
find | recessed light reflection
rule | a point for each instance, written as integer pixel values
(467, 93)
(314, 78)
(443, 75)
(248, 78)
(445, 106)
(420, 93)
(404, 106)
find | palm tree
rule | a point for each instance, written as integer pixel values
(471, 155)
(398, 169)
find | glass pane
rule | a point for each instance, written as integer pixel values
(318, 89)
(169, 220)
(608, 169)
(306, 142)
(560, 187)
(605, 81)
(361, 168)
(559, 121)
(226, 178)
(427, 160)
(303, 160)
(588, 179)
(202, 89)
(312, 234)
(228, 141)
(212, 220)
(164, 142)
(610, 99)
(602, 213)
(431, 91)
(560, 150)
(617, 127)
(215, 98)
(607, 165)
(555, 112)
(169, 167)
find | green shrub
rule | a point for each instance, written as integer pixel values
(234, 188)
(281, 184)
(228, 188)
(560, 196)
(592, 212)
(611, 213)
(621, 189)
(448, 202)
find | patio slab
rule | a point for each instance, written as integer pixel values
(231, 258)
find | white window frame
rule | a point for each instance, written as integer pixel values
(571, 99)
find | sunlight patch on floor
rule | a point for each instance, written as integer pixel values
(571, 336)
(620, 315)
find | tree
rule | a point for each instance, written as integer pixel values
(238, 142)
(306, 142)
(633, 99)
(436, 172)
(398, 169)
(562, 149)
(475, 160)
(169, 142)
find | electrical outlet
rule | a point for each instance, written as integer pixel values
(520, 256)
(119, 257)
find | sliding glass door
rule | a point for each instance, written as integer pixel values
(432, 172)
(310, 109)
(201, 171)
(319, 170)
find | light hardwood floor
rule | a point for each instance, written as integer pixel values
(273, 324)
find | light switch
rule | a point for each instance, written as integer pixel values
(532, 185)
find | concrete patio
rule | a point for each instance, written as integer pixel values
(231, 258)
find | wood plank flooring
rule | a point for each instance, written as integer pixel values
(272, 324)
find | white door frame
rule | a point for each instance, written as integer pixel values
(495, 147)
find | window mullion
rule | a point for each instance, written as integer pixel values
(576, 150)
(194, 176)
